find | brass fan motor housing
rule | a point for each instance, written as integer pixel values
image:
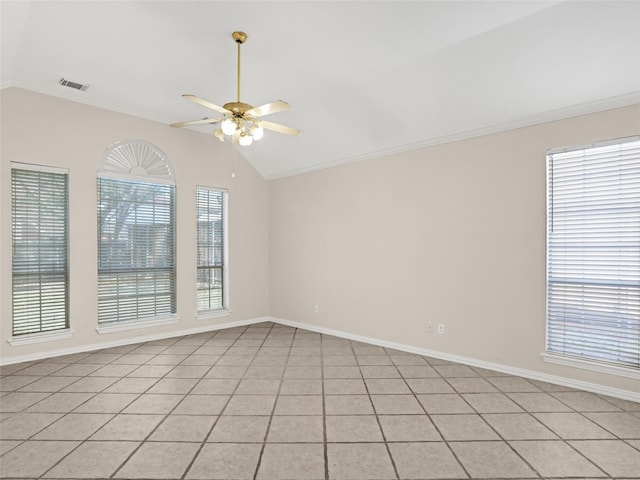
(238, 108)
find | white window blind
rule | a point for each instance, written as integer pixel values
(39, 240)
(136, 250)
(211, 208)
(593, 253)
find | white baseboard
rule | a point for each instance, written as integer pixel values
(520, 372)
(531, 374)
(128, 341)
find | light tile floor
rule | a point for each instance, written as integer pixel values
(273, 402)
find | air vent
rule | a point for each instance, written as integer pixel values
(68, 83)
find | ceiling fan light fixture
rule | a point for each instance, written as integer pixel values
(219, 134)
(257, 132)
(228, 126)
(245, 139)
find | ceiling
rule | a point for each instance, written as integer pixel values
(363, 79)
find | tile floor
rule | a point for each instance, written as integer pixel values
(273, 402)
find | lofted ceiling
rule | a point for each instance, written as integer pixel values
(363, 79)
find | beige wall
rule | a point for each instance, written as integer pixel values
(451, 234)
(45, 130)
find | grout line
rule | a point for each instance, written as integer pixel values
(273, 408)
(560, 438)
(203, 377)
(453, 453)
(477, 412)
(325, 446)
(375, 413)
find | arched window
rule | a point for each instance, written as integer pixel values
(136, 235)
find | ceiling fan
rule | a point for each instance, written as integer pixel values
(241, 121)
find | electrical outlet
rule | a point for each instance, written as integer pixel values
(441, 328)
(431, 328)
(316, 309)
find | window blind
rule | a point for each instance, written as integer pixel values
(593, 253)
(210, 206)
(39, 241)
(136, 250)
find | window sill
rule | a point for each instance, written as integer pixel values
(209, 314)
(40, 337)
(592, 365)
(136, 324)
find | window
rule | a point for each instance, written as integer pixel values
(211, 262)
(136, 235)
(40, 244)
(593, 253)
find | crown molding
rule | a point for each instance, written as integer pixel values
(632, 98)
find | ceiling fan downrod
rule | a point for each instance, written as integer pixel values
(240, 38)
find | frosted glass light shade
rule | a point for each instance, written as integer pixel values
(228, 126)
(245, 140)
(257, 132)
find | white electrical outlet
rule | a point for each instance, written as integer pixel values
(441, 328)
(316, 309)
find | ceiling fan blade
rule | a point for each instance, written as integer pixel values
(196, 122)
(276, 127)
(207, 104)
(267, 109)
